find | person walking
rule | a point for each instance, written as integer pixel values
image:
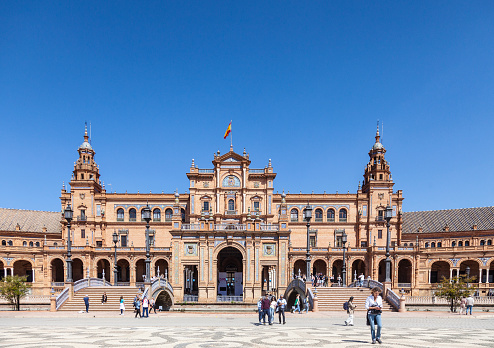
(339, 280)
(350, 310)
(463, 305)
(86, 302)
(104, 298)
(361, 278)
(272, 307)
(145, 307)
(306, 305)
(152, 303)
(265, 308)
(281, 309)
(297, 304)
(259, 309)
(374, 305)
(122, 305)
(469, 304)
(137, 306)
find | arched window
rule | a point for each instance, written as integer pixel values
(426, 244)
(24, 243)
(439, 244)
(489, 242)
(37, 244)
(453, 243)
(183, 215)
(132, 214)
(294, 214)
(343, 216)
(231, 205)
(156, 215)
(4, 243)
(31, 244)
(120, 214)
(330, 215)
(467, 243)
(460, 243)
(9, 243)
(168, 214)
(318, 213)
(55, 244)
(405, 244)
(482, 242)
(433, 244)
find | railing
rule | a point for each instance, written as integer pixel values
(295, 283)
(428, 300)
(206, 171)
(368, 283)
(318, 219)
(404, 285)
(57, 284)
(81, 218)
(310, 298)
(191, 298)
(231, 212)
(161, 283)
(190, 227)
(84, 283)
(256, 171)
(123, 283)
(229, 299)
(269, 228)
(393, 298)
(229, 227)
(379, 218)
(64, 295)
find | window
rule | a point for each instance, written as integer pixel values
(120, 214)
(156, 215)
(380, 176)
(83, 215)
(489, 242)
(256, 206)
(439, 244)
(343, 217)
(433, 244)
(37, 244)
(460, 243)
(99, 243)
(338, 236)
(453, 243)
(405, 244)
(123, 241)
(467, 243)
(231, 205)
(168, 214)
(205, 206)
(330, 215)
(312, 241)
(24, 243)
(183, 215)
(132, 214)
(4, 243)
(83, 233)
(294, 214)
(380, 215)
(482, 242)
(427, 244)
(31, 244)
(9, 243)
(363, 244)
(151, 240)
(379, 234)
(318, 213)
(55, 244)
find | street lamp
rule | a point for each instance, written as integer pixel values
(68, 215)
(146, 215)
(388, 216)
(343, 271)
(307, 217)
(468, 275)
(115, 270)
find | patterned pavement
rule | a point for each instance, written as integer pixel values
(201, 331)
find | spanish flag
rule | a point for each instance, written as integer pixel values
(228, 130)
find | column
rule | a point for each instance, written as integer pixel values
(217, 203)
(450, 274)
(487, 276)
(33, 274)
(12, 271)
(244, 204)
(429, 275)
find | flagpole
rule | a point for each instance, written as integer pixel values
(231, 136)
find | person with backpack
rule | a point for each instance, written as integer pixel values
(137, 306)
(350, 309)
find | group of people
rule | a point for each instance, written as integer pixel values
(323, 280)
(268, 306)
(466, 304)
(146, 304)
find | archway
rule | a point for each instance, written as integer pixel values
(299, 268)
(319, 267)
(103, 265)
(123, 271)
(77, 270)
(404, 273)
(474, 269)
(24, 268)
(161, 268)
(337, 270)
(230, 272)
(491, 273)
(2, 270)
(57, 271)
(358, 267)
(381, 277)
(439, 270)
(164, 301)
(140, 271)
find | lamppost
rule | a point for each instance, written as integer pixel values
(146, 215)
(388, 216)
(115, 270)
(468, 275)
(307, 217)
(343, 271)
(69, 214)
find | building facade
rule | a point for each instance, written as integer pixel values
(233, 236)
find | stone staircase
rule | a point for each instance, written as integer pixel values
(95, 293)
(332, 298)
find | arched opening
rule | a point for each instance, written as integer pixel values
(77, 270)
(318, 215)
(123, 271)
(337, 271)
(491, 274)
(439, 270)
(103, 269)
(299, 268)
(161, 268)
(164, 301)
(382, 271)
(291, 296)
(140, 271)
(358, 267)
(182, 212)
(132, 214)
(404, 273)
(2, 271)
(57, 271)
(294, 215)
(319, 267)
(168, 214)
(230, 272)
(24, 268)
(474, 270)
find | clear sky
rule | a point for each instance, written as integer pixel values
(303, 81)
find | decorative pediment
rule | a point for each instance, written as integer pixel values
(231, 159)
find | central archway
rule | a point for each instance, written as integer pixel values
(230, 272)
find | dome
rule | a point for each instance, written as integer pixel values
(377, 146)
(85, 145)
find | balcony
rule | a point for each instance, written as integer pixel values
(318, 219)
(206, 171)
(271, 228)
(343, 219)
(231, 212)
(229, 227)
(82, 218)
(380, 218)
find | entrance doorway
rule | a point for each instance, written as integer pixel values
(190, 280)
(230, 272)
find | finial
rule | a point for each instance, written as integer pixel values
(378, 137)
(63, 185)
(193, 164)
(359, 186)
(269, 163)
(283, 196)
(231, 147)
(86, 138)
(245, 153)
(103, 184)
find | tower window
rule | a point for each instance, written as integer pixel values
(453, 243)
(482, 242)
(489, 242)
(380, 176)
(24, 243)
(82, 176)
(433, 244)
(467, 243)
(427, 244)
(31, 244)
(460, 243)
(183, 215)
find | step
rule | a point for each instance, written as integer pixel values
(113, 294)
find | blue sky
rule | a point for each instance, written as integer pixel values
(303, 82)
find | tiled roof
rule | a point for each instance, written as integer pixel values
(456, 219)
(30, 220)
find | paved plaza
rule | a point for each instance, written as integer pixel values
(181, 330)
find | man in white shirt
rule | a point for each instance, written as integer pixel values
(469, 304)
(281, 308)
(361, 278)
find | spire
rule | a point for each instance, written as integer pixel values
(378, 137)
(86, 138)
